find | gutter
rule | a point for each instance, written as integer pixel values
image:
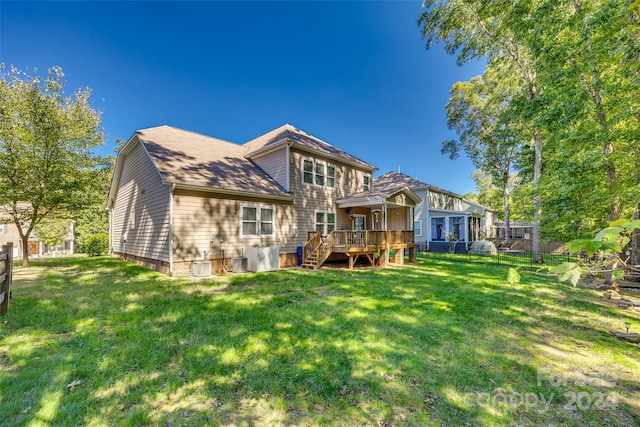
(225, 191)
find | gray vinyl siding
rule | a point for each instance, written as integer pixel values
(200, 219)
(141, 209)
(310, 198)
(275, 164)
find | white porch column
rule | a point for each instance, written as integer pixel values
(466, 231)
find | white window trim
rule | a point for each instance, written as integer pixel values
(326, 220)
(313, 171)
(326, 165)
(367, 187)
(3, 228)
(258, 206)
(326, 176)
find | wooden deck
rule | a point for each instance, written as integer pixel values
(357, 243)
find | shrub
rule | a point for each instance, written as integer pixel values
(97, 244)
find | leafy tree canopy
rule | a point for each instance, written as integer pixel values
(46, 147)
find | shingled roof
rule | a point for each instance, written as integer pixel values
(399, 180)
(188, 158)
(302, 140)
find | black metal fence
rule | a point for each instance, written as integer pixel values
(524, 259)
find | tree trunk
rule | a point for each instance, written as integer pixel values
(614, 204)
(25, 250)
(635, 241)
(507, 221)
(609, 278)
(537, 209)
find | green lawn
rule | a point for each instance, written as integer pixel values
(103, 342)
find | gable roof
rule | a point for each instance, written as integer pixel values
(377, 197)
(193, 160)
(401, 179)
(398, 179)
(288, 134)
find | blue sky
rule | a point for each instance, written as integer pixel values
(355, 74)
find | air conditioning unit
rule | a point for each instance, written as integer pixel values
(262, 259)
(201, 268)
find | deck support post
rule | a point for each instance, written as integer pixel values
(399, 258)
(412, 254)
(384, 258)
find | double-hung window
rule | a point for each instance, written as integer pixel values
(316, 172)
(257, 221)
(325, 222)
(331, 176)
(307, 171)
(417, 228)
(366, 182)
(320, 173)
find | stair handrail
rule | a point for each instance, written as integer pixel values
(324, 249)
(311, 245)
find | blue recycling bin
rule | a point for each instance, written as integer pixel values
(299, 255)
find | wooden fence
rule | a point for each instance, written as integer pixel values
(6, 275)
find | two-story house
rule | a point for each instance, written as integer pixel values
(443, 213)
(178, 197)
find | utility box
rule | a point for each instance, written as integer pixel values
(262, 259)
(239, 265)
(201, 268)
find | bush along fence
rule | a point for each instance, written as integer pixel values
(524, 259)
(6, 274)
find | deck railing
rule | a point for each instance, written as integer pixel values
(314, 240)
(363, 239)
(318, 248)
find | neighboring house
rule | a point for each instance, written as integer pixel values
(521, 238)
(178, 197)
(9, 233)
(517, 230)
(443, 211)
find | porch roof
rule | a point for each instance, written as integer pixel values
(389, 196)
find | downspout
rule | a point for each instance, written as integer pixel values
(173, 186)
(288, 167)
(110, 209)
(466, 229)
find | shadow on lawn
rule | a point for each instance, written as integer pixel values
(395, 346)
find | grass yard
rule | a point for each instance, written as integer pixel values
(101, 342)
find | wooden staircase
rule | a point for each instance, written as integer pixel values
(311, 261)
(317, 250)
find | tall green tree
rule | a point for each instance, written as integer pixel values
(93, 218)
(489, 29)
(478, 110)
(53, 229)
(579, 62)
(488, 193)
(46, 143)
(587, 51)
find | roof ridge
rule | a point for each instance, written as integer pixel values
(189, 131)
